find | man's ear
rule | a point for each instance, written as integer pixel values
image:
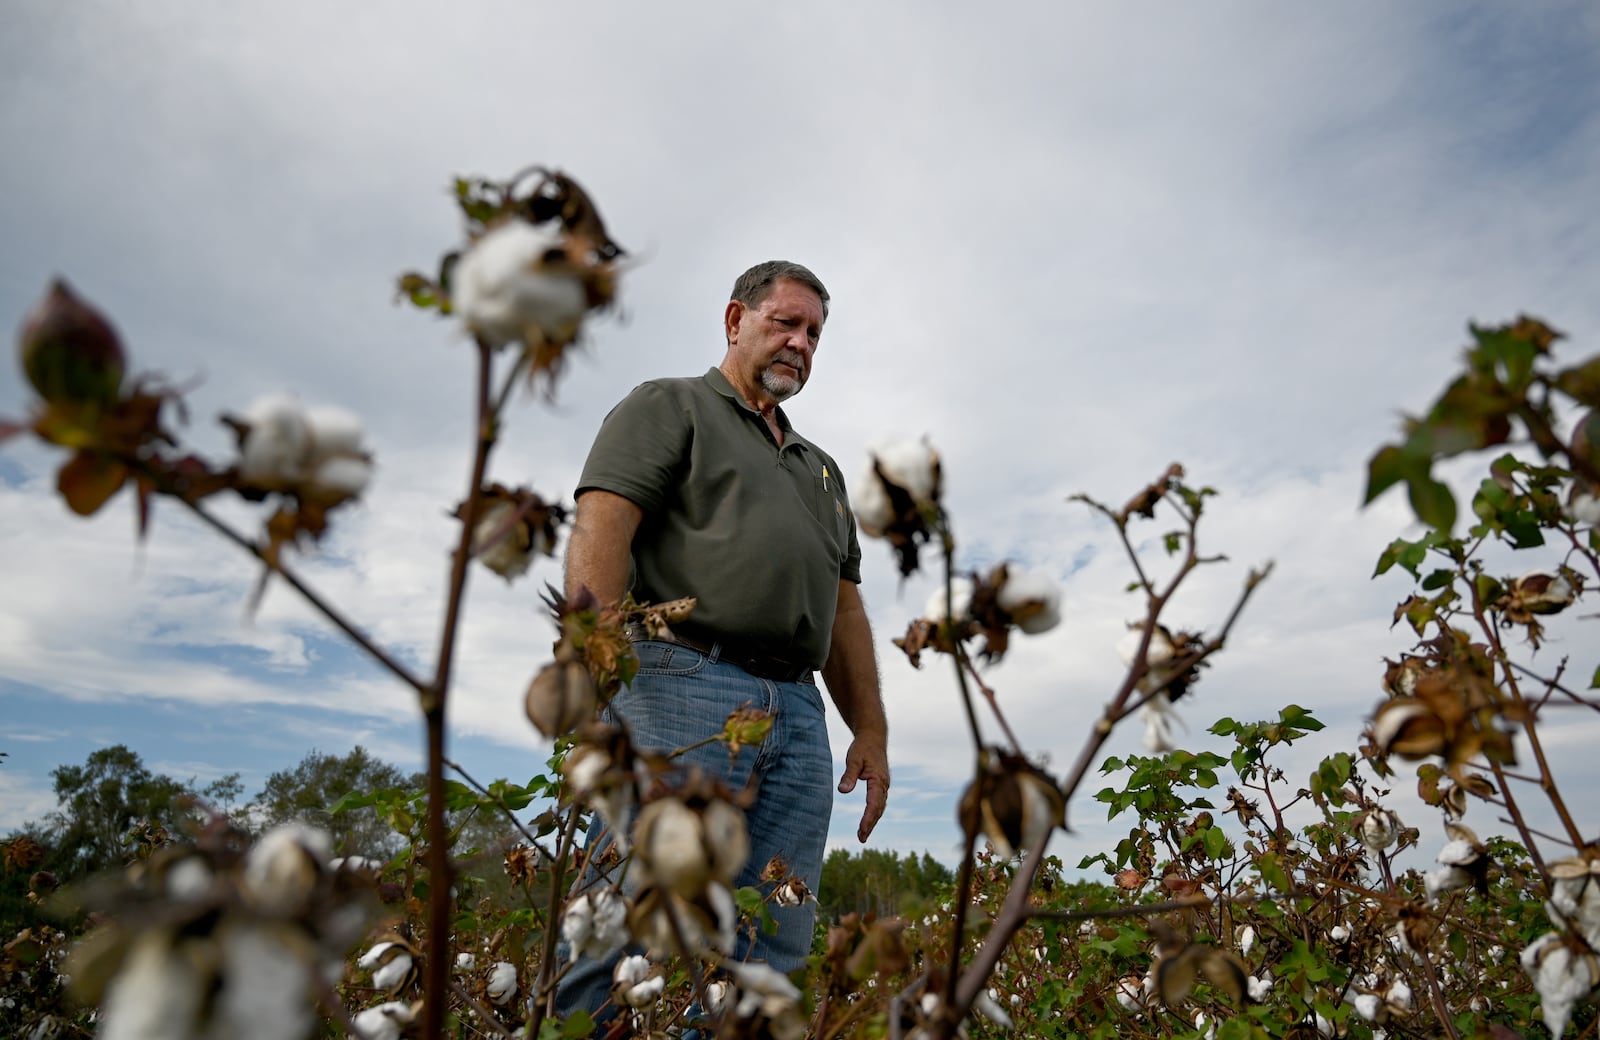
(731, 319)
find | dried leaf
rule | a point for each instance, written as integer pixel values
(88, 480)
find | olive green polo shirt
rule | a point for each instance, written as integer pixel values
(760, 535)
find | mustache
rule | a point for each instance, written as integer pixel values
(792, 359)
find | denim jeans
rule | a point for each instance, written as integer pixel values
(680, 697)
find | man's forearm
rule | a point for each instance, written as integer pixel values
(851, 671)
(601, 545)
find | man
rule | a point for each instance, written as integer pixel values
(700, 487)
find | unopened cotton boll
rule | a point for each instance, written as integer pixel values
(507, 289)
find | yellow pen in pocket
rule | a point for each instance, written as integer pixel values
(824, 477)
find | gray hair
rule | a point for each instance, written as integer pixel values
(755, 285)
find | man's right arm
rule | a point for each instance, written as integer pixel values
(601, 545)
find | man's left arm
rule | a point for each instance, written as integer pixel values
(851, 673)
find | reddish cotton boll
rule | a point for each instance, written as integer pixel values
(514, 286)
(70, 353)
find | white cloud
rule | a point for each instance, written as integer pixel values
(1072, 245)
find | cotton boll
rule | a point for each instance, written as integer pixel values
(383, 1022)
(267, 994)
(506, 289)
(1032, 599)
(334, 430)
(158, 992)
(282, 869)
(278, 442)
(911, 465)
(869, 501)
(502, 983)
(938, 609)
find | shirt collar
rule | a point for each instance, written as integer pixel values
(720, 384)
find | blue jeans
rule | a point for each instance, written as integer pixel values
(680, 697)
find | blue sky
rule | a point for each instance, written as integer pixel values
(1070, 243)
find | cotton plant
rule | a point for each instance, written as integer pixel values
(536, 264)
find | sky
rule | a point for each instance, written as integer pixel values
(1068, 243)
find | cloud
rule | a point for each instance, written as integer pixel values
(1071, 246)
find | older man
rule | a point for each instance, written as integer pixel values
(701, 487)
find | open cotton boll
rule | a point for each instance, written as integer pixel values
(157, 993)
(278, 443)
(912, 465)
(1160, 646)
(502, 982)
(961, 600)
(869, 501)
(335, 429)
(1032, 599)
(504, 288)
(383, 1022)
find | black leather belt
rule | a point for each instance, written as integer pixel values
(762, 666)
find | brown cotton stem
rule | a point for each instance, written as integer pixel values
(436, 975)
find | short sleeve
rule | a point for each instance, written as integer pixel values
(639, 448)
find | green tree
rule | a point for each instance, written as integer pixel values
(104, 803)
(878, 881)
(310, 790)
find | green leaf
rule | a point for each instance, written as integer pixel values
(1594, 681)
(1438, 579)
(1173, 541)
(1387, 468)
(1433, 502)
(1216, 842)
(1272, 871)
(1300, 718)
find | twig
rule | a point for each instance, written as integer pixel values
(484, 1013)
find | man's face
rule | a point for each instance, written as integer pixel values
(775, 341)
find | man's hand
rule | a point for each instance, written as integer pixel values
(867, 759)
